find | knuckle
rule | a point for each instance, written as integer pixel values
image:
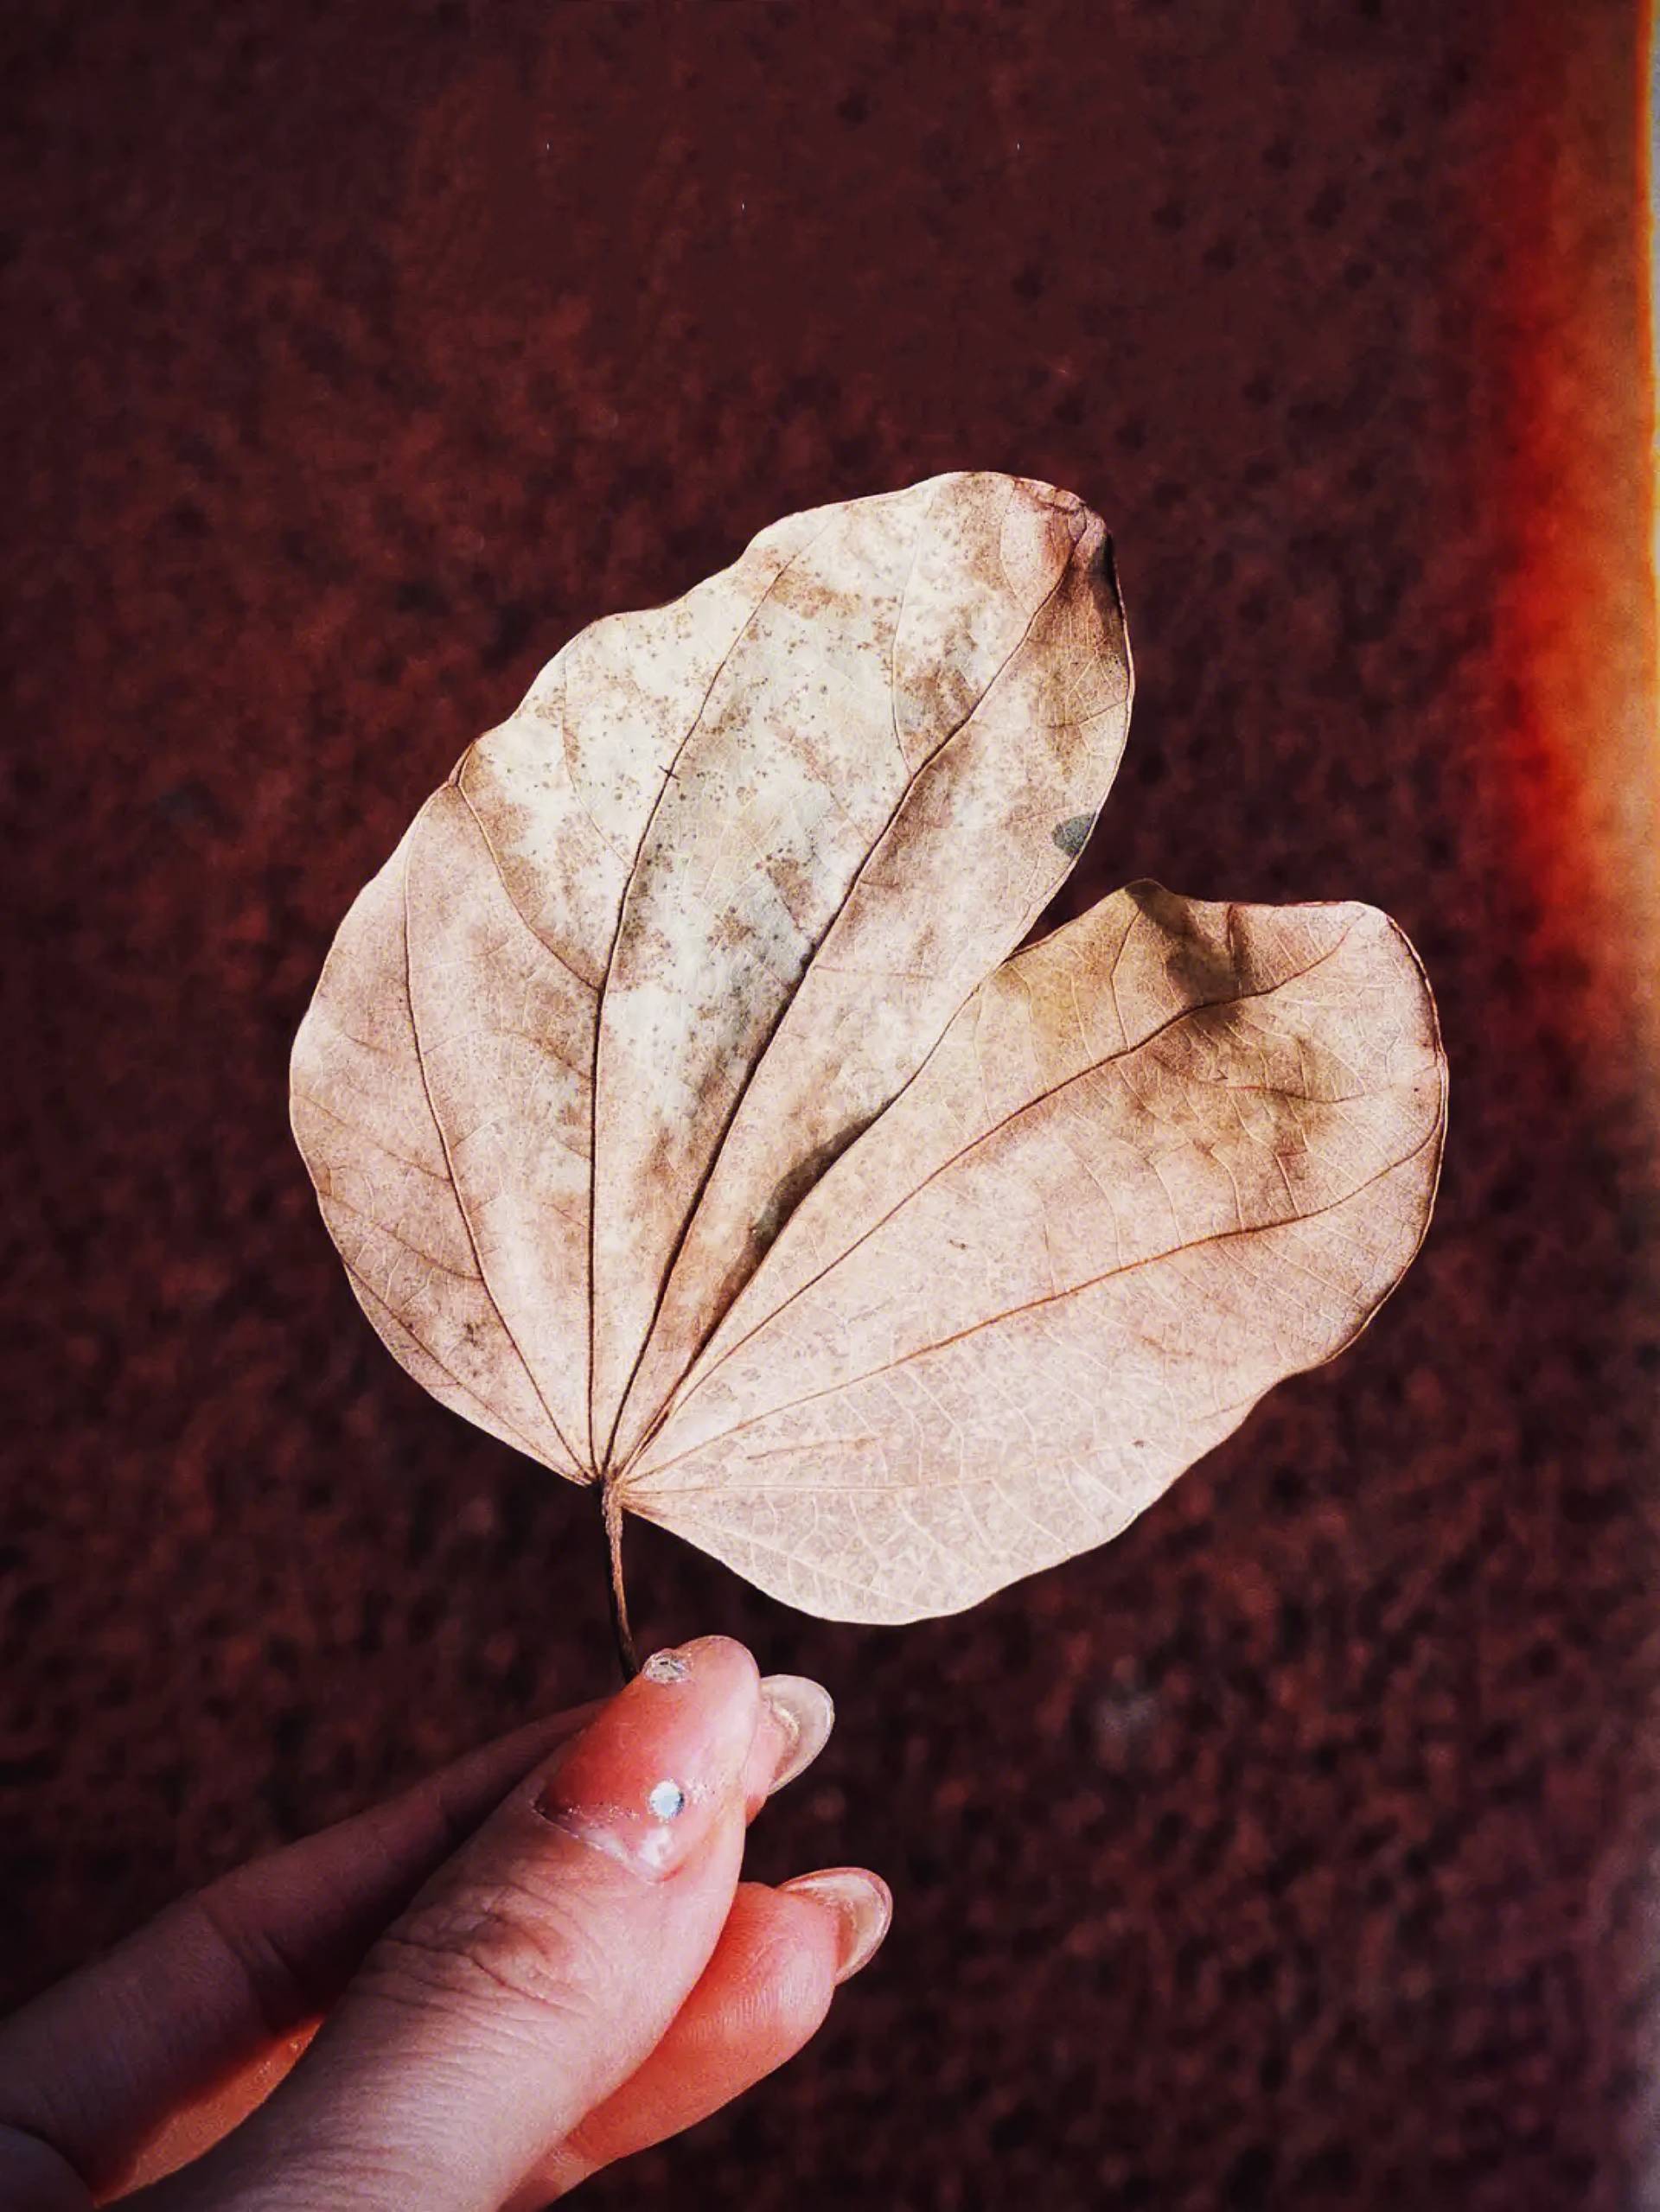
(275, 1987)
(481, 1944)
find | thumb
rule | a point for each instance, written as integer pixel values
(533, 1974)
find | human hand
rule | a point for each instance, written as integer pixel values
(583, 1977)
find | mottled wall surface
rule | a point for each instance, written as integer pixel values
(1293, 1852)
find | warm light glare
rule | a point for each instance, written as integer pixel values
(1651, 147)
(1578, 631)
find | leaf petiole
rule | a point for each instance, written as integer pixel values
(610, 1508)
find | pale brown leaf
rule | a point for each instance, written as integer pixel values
(661, 1109)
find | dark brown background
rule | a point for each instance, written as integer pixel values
(1293, 1852)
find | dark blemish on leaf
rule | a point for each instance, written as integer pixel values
(793, 1188)
(1073, 836)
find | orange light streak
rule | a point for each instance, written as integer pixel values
(1577, 627)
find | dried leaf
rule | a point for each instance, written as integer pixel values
(677, 1122)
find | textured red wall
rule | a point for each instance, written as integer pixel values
(1294, 1852)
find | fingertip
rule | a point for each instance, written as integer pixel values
(709, 1661)
(774, 1973)
(659, 1770)
(860, 1904)
(796, 1718)
(762, 1996)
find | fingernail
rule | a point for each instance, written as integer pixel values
(655, 1771)
(863, 1904)
(797, 1718)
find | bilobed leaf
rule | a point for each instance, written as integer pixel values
(681, 1118)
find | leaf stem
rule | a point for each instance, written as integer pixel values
(611, 1509)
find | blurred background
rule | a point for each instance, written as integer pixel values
(1297, 1849)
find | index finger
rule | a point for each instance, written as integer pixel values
(197, 1995)
(536, 1971)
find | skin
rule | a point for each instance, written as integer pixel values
(470, 1997)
